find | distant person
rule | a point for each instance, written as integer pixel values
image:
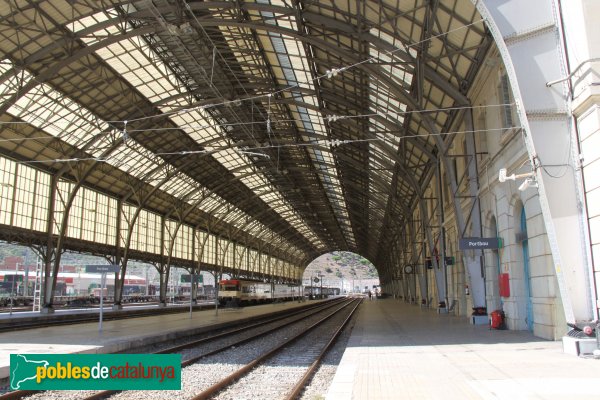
(370, 295)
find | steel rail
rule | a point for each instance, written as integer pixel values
(320, 307)
(19, 394)
(228, 380)
(297, 389)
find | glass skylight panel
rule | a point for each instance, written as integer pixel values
(12, 85)
(391, 62)
(196, 124)
(211, 203)
(283, 20)
(228, 158)
(231, 159)
(244, 50)
(89, 21)
(379, 169)
(180, 185)
(135, 160)
(381, 132)
(135, 60)
(51, 112)
(148, 75)
(235, 216)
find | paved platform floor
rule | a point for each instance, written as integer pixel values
(400, 351)
(119, 335)
(6, 316)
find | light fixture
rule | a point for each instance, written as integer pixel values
(502, 177)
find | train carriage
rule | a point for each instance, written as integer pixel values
(246, 291)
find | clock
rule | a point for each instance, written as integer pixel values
(408, 269)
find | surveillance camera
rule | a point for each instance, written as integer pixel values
(527, 183)
(524, 185)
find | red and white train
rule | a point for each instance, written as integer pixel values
(245, 291)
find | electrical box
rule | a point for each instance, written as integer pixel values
(504, 285)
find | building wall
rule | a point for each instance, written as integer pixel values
(501, 146)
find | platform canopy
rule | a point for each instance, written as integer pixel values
(303, 119)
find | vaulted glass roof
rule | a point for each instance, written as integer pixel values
(313, 121)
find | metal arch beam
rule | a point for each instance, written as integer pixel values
(414, 184)
(345, 29)
(278, 222)
(263, 212)
(404, 96)
(261, 237)
(155, 12)
(47, 74)
(139, 31)
(354, 218)
(417, 141)
(50, 72)
(225, 184)
(158, 169)
(400, 92)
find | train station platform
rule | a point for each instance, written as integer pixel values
(124, 334)
(72, 315)
(400, 351)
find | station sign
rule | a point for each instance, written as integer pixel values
(186, 278)
(102, 268)
(479, 243)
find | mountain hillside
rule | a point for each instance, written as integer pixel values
(342, 267)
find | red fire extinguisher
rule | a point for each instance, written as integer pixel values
(497, 320)
(467, 290)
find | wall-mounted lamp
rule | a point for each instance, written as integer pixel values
(529, 181)
(502, 177)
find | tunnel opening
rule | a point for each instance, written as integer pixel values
(348, 272)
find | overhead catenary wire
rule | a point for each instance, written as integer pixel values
(314, 143)
(270, 121)
(329, 74)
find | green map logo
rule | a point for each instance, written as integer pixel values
(95, 371)
(23, 370)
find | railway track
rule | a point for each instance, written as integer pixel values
(196, 349)
(284, 370)
(213, 374)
